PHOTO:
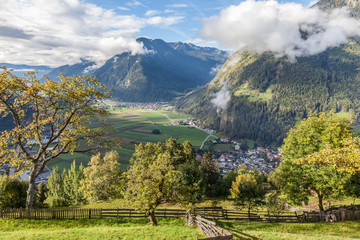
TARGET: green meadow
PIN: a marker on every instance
(96, 229)
(135, 126)
(293, 231)
(254, 95)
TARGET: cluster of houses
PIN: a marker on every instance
(264, 159)
(252, 158)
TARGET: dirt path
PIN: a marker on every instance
(203, 143)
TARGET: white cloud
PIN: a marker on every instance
(215, 69)
(202, 42)
(152, 13)
(57, 32)
(270, 26)
(164, 21)
(123, 8)
(180, 5)
(135, 3)
(221, 98)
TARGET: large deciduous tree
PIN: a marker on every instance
(320, 156)
(249, 189)
(50, 118)
(102, 178)
(163, 172)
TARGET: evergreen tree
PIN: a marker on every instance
(55, 197)
(211, 171)
(72, 181)
(41, 191)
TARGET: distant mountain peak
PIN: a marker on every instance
(353, 5)
(162, 73)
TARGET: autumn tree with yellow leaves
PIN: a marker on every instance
(50, 118)
(321, 155)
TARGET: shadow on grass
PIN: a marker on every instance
(237, 233)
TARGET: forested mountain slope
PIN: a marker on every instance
(260, 97)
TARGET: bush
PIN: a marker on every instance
(12, 192)
(56, 201)
(156, 131)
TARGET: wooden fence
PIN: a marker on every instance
(210, 229)
(261, 216)
(334, 215)
(77, 213)
(344, 213)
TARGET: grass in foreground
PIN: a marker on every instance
(293, 231)
(95, 229)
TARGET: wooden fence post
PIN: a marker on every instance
(89, 213)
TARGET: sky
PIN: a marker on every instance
(58, 32)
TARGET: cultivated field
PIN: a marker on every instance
(135, 126)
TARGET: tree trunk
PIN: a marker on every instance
(321, 207)
(30, 196)
(30, 192)
(152, 218)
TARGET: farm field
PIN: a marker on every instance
(135, 126)
(293, 231)
(96, 229)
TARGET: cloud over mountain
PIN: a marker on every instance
(287, 29)
(63, 31)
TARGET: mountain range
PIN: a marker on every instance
(165, 71)
(20, 69)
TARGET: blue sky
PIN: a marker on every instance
(57, 32)
(192, 12)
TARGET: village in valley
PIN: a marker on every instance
(264, 159)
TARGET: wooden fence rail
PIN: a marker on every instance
(77, 213)
(210, 229)
(229, 214)
(334, 215)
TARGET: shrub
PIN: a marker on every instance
(12, 192)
